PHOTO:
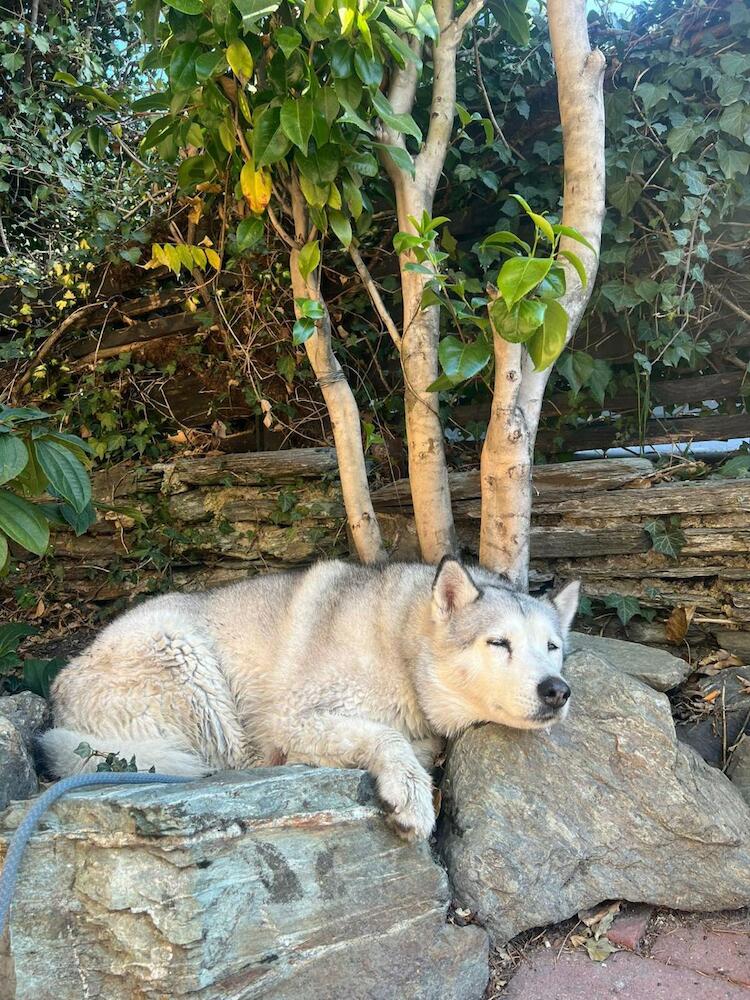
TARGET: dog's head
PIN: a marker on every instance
(497, 655)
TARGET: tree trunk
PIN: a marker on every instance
(339, 399)
(506, 485)
(505, 474)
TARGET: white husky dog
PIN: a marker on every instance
(339, 665)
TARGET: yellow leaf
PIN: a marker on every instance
(196, 210)
(239, 59)
(213, 259)
(256, 187)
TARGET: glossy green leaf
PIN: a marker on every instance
(186, 6)
(461, 361)
(518, 324)
(297, 120)
(400, 156)
(270, 143)
(577, 264)
(341, 227)
(287, 39)
(210, 64)
(22, 522)
(253, 11)
(182, 73)
(97, 140)
(309, 258)
(549, 340)
(520, 275)
(573, 234)
(404, 124)
(249, 232)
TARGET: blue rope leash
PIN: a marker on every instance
(22, 835)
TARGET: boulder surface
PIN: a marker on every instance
(276, 883)
(21, 715)
(606, 805)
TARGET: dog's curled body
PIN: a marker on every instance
(340, 665)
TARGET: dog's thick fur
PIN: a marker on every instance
(338, 665)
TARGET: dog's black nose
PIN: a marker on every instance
(553, 691)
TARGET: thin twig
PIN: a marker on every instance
(372, 291)
(488, 103)
(57, 334)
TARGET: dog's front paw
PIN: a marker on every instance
(407, 795)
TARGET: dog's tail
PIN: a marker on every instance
(167, 756)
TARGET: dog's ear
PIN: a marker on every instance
(566, 603)
(453, 588)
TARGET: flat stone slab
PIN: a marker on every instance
(624, 976)
(655, 667)
(276, 883)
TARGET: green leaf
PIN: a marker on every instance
(210, 64)
(249, 232)
(297, 121)
(572, 234)
(13, 457)
(39, 674)
(239, 59)
(158, 131)
(287, 39)
(680, 139)
(505, 237)
(97, 140)
(624, 194)
(575, 261)
(253, 11)
(310, 308)
(270, 144)
(577, 367)
(547, 343)
(303, 329)
(404, 124)
(182, 75)
(398, 48)
(735, 120)
(309, 258)
(11, 635)
(519, 275)
(553, 285)
(341, 227)
(462, 361)
(733, 162)
(4, 552)
(400, 156)
(518, 324)
(666, 537)
(65, 472)
(736, 468)
(186, 6)
(23, 523)
(626, 607)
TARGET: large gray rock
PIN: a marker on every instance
(608, 805)
(739, 768)
(21, 715)
(277, 883)
(655, 667)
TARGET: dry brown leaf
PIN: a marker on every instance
(599, 949)
(595, 914)
(678, 624)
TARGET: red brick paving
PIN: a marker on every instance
(724, 953)
(624, 976)
(708, 959)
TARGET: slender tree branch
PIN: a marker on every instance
(280, 231)
(372, 291)
(488, 103)
(429, 163)
(468, 14)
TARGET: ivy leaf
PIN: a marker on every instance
(735, 120)
(297, 121)
(680, 139)
(518, 324)
(548, 342)
(624, 194)
(577, 367)
(520, 275)
(666, 537)
(309, 258)
(625, 607)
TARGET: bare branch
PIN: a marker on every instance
(429, 163)
(372, 291)
(280, 231)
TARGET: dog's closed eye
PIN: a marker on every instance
(552, 647)
(502, 643)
